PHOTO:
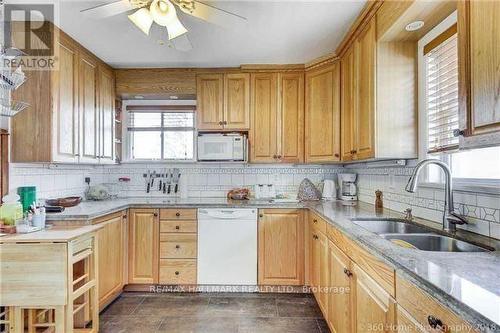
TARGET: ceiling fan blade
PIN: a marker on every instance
(182, 43)
(213, 14)
(108, 9)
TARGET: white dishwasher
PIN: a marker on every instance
(227, 246)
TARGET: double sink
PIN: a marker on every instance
(408, 235)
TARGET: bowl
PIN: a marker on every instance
(64, 202)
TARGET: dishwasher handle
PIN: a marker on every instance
(227, 214)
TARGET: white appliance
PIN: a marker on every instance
(227, 246)
(348, 190)
(222, 147)
(329, 189)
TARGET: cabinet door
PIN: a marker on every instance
(291, 118)
(89, 119)
(374, 308)
(111, 258)
(281, 247)
(106, 115)
(322, 115)
(65, 99)
(406, 323)
(324, 278)
(348, 104)
(237, 101)
(479, 60)
(264, 109)
(365, 49)
(209, 95)
(339, 299)
(144, 246)
(315, 261)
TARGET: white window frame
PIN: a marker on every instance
(463, 184)
(126, 142)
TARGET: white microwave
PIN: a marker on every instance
(213, 147)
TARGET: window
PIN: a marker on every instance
(439, 116)
(161, 133)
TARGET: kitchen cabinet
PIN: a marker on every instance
(112, 244)
(358, 97)
(277, 108)
(479, 72)
(339, 298)
(143, 246)
(373, 308)
(319, 261)
(322, 121)
(223, 101)
(280, 247)
(71, 117)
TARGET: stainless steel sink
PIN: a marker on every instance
(389, 226)
(432, 242)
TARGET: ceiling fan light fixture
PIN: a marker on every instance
(142, 19)
(175, 29)
(164, 13)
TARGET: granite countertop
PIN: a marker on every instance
(469, 283)
(56, 234)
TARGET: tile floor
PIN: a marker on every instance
(213, 312)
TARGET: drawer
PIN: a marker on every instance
(317, 223)
(177, 271)
(80, 245)
(177, 214)
(181, 246)
(180, 226)
(421, 306)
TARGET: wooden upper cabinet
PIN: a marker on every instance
(479, 66)
(210, 101)
(143, 246)
(106, 84)
(111, 257)
(264, 110)
(89, 116)
(66, 126)
(358, 97)
(348, 104)
(374, 308)
(322, 132)
(237, 101)
(281, 247)
(365, 104)
(339, 301)
(291, 118)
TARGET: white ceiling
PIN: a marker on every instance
(284, 32)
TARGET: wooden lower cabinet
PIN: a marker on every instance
(408, 324)
(319, 260)
(178, 271)
(281, 247)
(143, 260)
(112, 245)
(339, 296)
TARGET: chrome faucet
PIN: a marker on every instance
(450, 217)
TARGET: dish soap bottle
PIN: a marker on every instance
(11, 209)
(379, 203)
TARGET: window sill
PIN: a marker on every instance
(473, 186)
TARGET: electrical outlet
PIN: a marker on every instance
(87, 180)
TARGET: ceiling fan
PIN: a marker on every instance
(164, 13)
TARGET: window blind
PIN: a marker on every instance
(442, 93)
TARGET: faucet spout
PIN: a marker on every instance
(450, 217)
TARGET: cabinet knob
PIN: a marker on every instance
(315, 237)
(261, 215)
(124, 217)
(177, 272)
(177, 214)
(435, 323)
(221, 123)
(177, 227)
(337, 155)
(225, 122)
(155, 214)
(275, 156)
(347, 272)
(177, 246)
(279, 156)
(315, 221)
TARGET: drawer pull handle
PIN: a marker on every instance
(435, 323)
(347, 272)
(177, 214)
(177, 246)
(177, 273)
(177, 227)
